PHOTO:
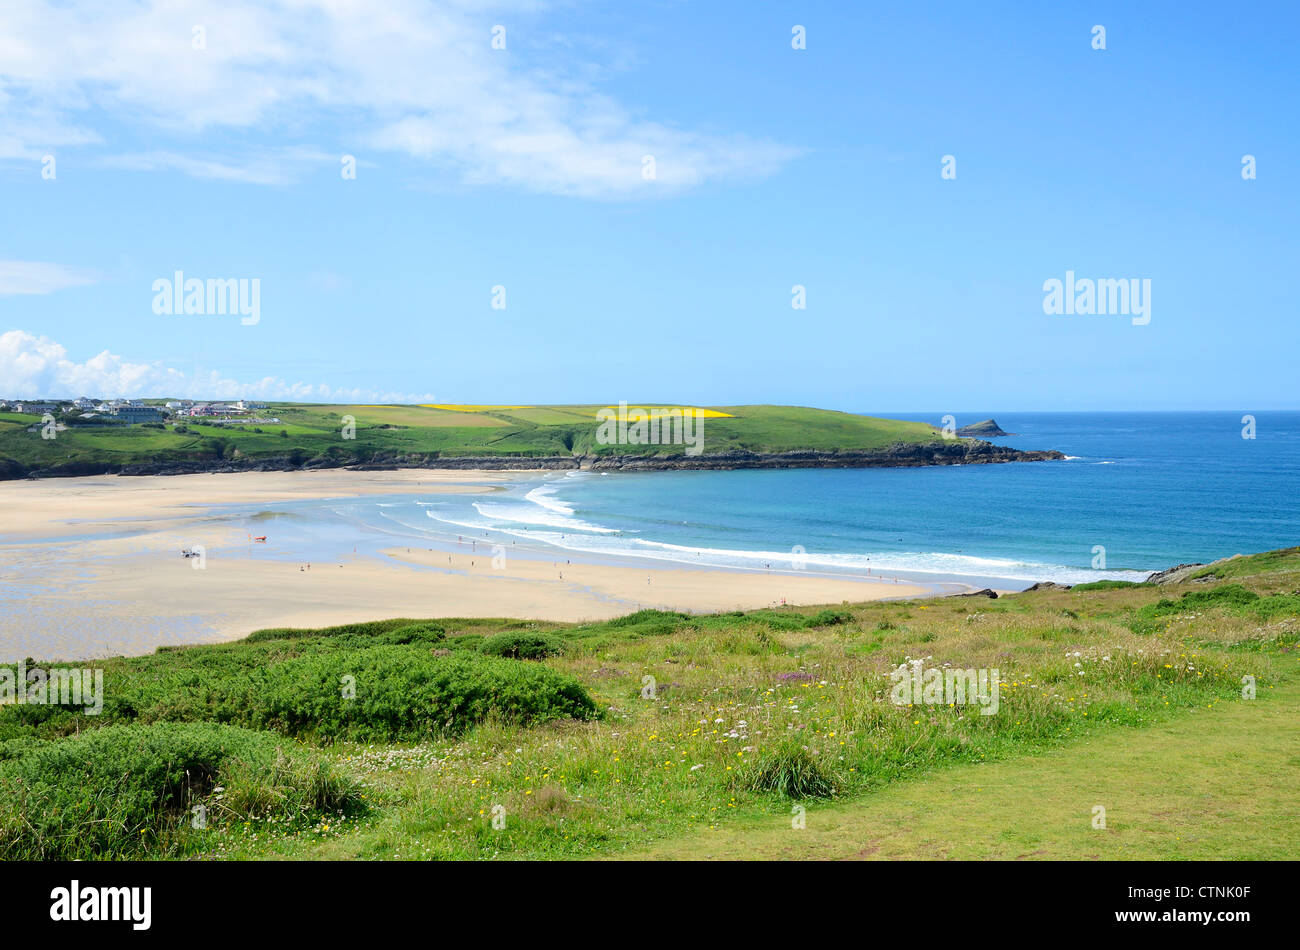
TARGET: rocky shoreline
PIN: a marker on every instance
(1177, 574)
(900, 455)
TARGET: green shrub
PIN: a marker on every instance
(373, 628)
(126, 791)
(401, 693)
(464, 641)
(296, 685)
(1231, 597)
(1228, 595)
(774, 620)
(646, 616)
(406, 694)
(425, 632)
(522, 646)
(1105, 585)
(829, 618)
(634, 626)
(1266, 608)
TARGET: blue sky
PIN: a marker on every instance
(774, 167)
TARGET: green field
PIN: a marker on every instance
(314, 435)
(500, 739)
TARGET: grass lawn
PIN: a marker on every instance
(1208, 784)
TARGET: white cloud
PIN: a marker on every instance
(410, 76)
(275, 168)
(36, 366)
(35, 277)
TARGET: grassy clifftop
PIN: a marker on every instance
(329, 435)
(460, 738)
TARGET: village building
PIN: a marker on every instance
(137, 414)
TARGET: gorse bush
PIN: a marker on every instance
(126, 791)
(522, 646)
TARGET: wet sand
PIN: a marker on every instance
(127, 590)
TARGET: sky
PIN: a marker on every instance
(620, 203)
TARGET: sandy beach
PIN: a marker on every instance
(122, 588)
(43, 509)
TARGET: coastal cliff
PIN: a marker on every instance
(900, 455)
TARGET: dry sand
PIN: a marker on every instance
(130, 592)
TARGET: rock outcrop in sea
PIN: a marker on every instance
(988, 429)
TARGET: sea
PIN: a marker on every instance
(1137, 492)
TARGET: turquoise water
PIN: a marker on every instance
(1152, 489)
